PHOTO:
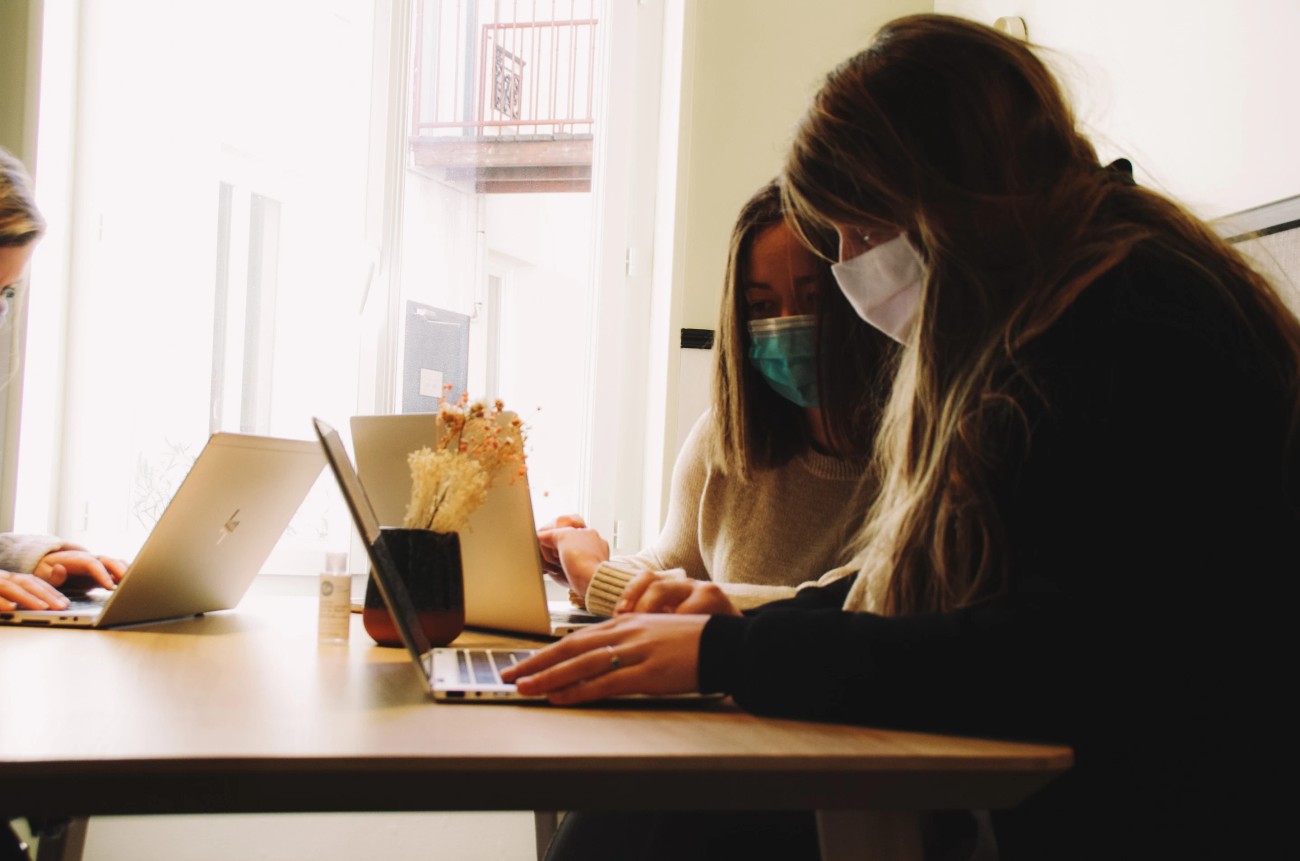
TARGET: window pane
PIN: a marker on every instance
(219, 262)
(498, 223)
(228, 272)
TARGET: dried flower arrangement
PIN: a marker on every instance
(450, 480)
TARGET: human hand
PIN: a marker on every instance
(571, 552)
(79, 569)
(28, 592)
(633, 654)
(653, 593)
(546, 540)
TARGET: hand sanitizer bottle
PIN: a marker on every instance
(335, 617)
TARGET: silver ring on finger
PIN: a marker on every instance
(615, 662)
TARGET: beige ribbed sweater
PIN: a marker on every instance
(760, 540)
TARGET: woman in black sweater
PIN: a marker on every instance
(1088, 525)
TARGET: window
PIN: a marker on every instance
(303, 208)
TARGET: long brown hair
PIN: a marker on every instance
(961, 137)
(756, 428)
(20, 220)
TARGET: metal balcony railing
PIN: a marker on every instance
(504, 68)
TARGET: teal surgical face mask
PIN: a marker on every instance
(784, 351)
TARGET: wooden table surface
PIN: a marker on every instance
(244, 711)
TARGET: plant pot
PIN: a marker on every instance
(430, 567)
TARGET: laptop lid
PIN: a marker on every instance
(396, 596)
(213, 537)
(504, 582)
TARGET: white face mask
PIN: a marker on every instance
(884, 285)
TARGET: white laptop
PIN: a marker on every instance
(505, 587)
(210, 542)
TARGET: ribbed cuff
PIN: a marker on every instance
(607, 585)
(610, 582)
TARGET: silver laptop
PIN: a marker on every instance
(451, 674)
(210, 542)
(505, 587)
(398, 599)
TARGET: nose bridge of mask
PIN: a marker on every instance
(784, 351)
(792, 337)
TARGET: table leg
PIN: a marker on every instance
(869, 835)
(62, 839)
(544, 824)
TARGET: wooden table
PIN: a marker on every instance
(243, 711)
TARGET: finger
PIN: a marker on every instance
(116, 568)
(602, 687)
(95, 570)
(663, 596)
(14, 596)
(581, 670)
(707, 598)
(43, 590)
(550, 555)
(80, 565)
(32, 593)
(575, 644)
(571, 520)
(633, 591)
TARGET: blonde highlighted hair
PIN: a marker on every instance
(20, 220)
(961, 137)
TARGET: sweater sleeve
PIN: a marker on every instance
(21, 553)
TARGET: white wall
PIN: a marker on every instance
(1198, 93)
(755, 65)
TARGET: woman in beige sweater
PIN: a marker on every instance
(772, 481)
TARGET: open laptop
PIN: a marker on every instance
(451, 674)
(211, 540)
(440, 668)
(505, 585)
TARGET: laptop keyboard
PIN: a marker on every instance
(78, 604)
(483, 666)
